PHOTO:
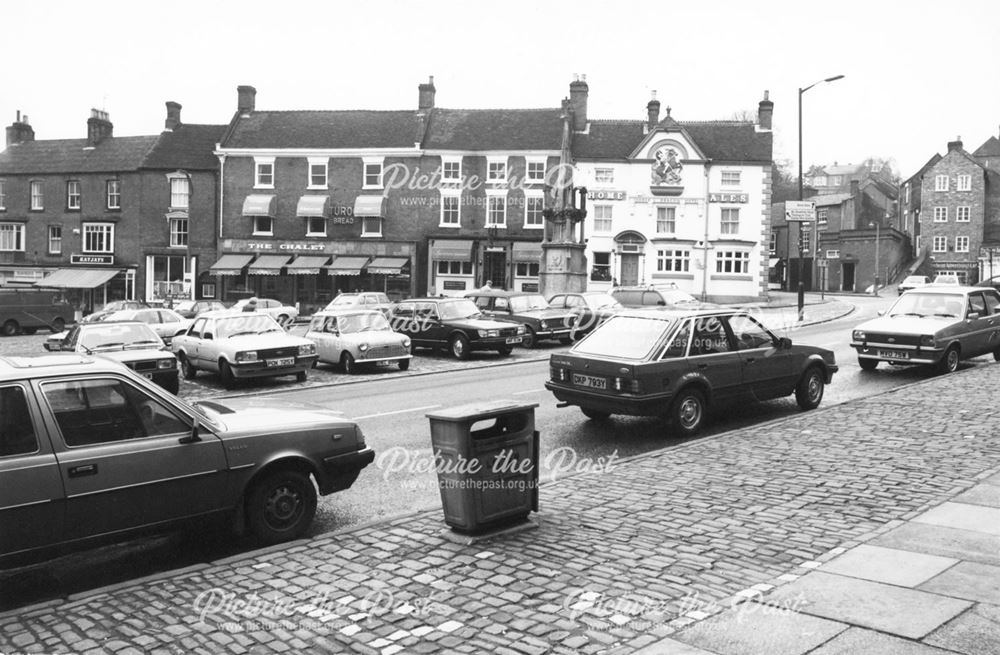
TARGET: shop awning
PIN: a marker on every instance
(78, 278)
(230, 264)
(369, 206)
(452, 251)
(259, 205)
(307, 265)
(527, 252)
(773, 261)
(344, 265)
(313, 206)
(388, 265)
(268, 265)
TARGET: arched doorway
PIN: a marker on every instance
(630, 246)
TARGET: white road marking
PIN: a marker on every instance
(523, 393)
(399, 411)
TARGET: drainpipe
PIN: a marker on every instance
(222, 186)
(704, 272)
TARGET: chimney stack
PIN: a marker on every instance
(765, 110)
(578, 91)
(652, 112)
(173, 116)
(425, 98)
(246, 100)
(955, 145)
(99, 127)
(20, 131)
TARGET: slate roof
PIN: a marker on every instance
(188, 146)
(495, 129)
(119, 153)
(718, 140)
(609, 139)
(831, 199)
(324, 129)
(991, 148)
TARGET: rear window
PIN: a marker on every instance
(624, 337)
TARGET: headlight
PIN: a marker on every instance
(859, 335)
(247, 356)
(928, 341)
(520, 329)
(543, 325)
(363, 347)
(488, 333)
(406, 343)
(308, 349)
(166, 363)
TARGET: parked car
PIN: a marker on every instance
(634, 297)
(529, 309)
(131, 343)
(353, 338)
(54, 341)
(591, 308)
(26, 310)
(991, 283)
(192, 308)
(90, 452)
(282, 313)
(913, 282)
(165, 322)
(455, 324)
(936, 325)
(361, 300)
(119, 305)
(680, 363)
(243, 345)
(947, 280)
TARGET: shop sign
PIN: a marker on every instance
(606, 195)
(342, 215)
(453, 285)
(729, 197)
(531, 287)
(92, 259)
(287, 246)
(658, 200)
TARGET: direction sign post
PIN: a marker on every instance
(801, 212)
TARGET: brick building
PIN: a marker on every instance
(910, 206)
(109, 217)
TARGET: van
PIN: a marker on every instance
(26, 310)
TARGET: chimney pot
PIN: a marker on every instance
(652, 112)
(425, 95)
(578, 91)
(955, 145)
(99, 127)
(173, 115)
(246, 100)
(765, 112)
(20, 131)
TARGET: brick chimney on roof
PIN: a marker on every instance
(955, 145)
(425, 99)
(173, 120)
(652, 112)
(578, 91)
(20, 131)
(765, 110)
(246, 100)
(99, 127)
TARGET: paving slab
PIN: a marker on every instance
(756, 629)
(969, 580)
(981, 494)
(889, 565)
(973, 633)
(859, 640)
(895, 610)
(947, 542)
(965, 517)
(670, 646)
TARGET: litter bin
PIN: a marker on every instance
(487, 464)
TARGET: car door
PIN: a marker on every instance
(403, 321)
(192, 341)
(432, 328)
(975, 339)
(713, 356)
(125, 458)
(32, 499)
(992, 299)
(768, 371)
(330, 336)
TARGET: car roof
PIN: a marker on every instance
(665, 312)
(97, 324)
(16, 367)
(501, 293)
(347, 312)
(949, 289)
(434, 299)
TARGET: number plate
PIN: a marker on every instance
(284, 361)
(513, 339)
(894, 354)
(383, 362)
(589, 381)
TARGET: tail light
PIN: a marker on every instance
(558, 374)
(629, 385)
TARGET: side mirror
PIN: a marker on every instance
(193, 436)
(972, 315)
(784, 343)
(661, 302)
(881, 312)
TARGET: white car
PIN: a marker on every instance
(356, 337)
(284, 314)
(951, 280)
(165, 322)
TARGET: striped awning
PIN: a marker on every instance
(313, 207)
(527, 252)
(388, 265)
(259, 205)
(230, 264)
(268, 265)
(78, 278)
(346, 265)
(307, 265)
(369, 206)
(452, 251)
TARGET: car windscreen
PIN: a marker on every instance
(457, 309)
(915, 279)
(345, 301)
(624, 337)
(602, 301)
(673, 297)
(375, 321)
(237, 325)
(528, 303)
(118, 337)
(944, 305)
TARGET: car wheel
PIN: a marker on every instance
(10, 328)
(529, 340)
(347, 361)
(949, 362)
(459, 346)
(867, 364)
(187, 367)
(404, 364)
(58, 325)
(505, 350)
(809, 391)
(301, 376)
(996, 354)
(688, 411)
(226, 375)
(566, 341)
(594, 415)
(281, 506)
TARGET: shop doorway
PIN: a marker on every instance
(630, 270)
(847, 271)
(495, 268)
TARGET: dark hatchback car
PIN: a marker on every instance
(193, 308)
(677, 364)
(591, 308)
(532, 310)
(634, 297)
(455, 324)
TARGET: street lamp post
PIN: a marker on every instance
(875, 288)
(802, 287)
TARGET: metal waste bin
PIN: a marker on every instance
(487, 464)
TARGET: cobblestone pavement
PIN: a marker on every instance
(621, 558)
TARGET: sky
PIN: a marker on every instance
(917, 74)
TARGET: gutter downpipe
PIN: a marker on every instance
(704, 272)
